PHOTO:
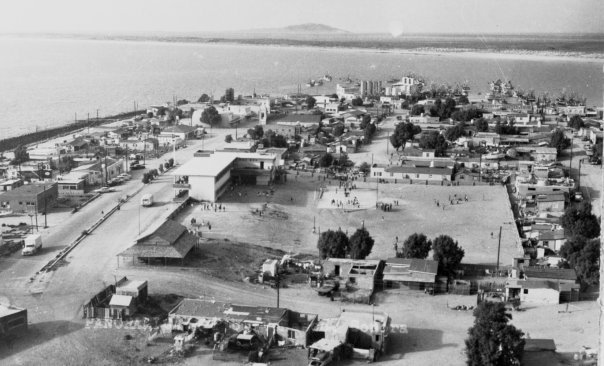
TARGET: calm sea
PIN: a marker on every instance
(46, 82)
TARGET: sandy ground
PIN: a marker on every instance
(288, 225)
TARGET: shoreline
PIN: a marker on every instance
(10, 143)
(490, 53)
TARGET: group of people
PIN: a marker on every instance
(213, 206)
(452, 201)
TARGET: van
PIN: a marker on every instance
(147, 200)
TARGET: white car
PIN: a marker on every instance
(125, 176)
(104, 190)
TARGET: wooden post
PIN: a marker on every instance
(600, 299)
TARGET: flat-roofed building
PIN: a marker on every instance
(30, 198)
(13, 321)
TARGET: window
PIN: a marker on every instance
(416, 175)
(291, 334)
(525, 291)
(377, 337)
(531, 189)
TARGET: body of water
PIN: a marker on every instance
(46, 82)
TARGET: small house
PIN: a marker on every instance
(138, 289)
(409, 273)
(13, 321)
(123, 304)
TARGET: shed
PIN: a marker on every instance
(138, 289)
(13, 321)
(122, 303)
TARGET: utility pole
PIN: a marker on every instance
(278, 284)
(600, 299)
(88, 122)
(45, 209)
(498, 250)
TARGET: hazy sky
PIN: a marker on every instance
(395, 16)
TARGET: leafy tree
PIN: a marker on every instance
(365, 121)
(259, 131)
(466, 115)
(338, 130)
(357, 102)
(405, 104)
(434, 140)
(579, 220)
(326, 160)
(210, 116)
(576, 122)
(170, 162)
(491, 340)
(310, 102)
(559, 140)
(506, 128)
(333, 244)
(402, 133)
(161, 168)
(464, 100)
(146, 178)
(369, 132)
(455, 132)
(229, 95)
(334, 96)
(448, 253)
(364, 168)
(417, 110)
(204, 98)
(415, 246)
(21, 155)
(228, 139)
(583, 255)
(481, 125)
(361, 244)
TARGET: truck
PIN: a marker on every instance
(32, 244)
(147, 200)
(327, 352)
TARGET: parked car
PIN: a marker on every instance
(104, 190)
(125, 176)
(137, 166)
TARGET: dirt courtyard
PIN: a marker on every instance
(291, 217)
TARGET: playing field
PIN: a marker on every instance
(294, 209)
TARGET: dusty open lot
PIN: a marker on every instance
(290, 213)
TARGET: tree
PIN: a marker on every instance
(204, 98)
(434, 140)
(365, 121)
(357, 102)
(416, 246)
(447, 253)
(333, 244)
(228, 139)
(481, 125)
(579, 220)
(402, 133)
(338, 130)
(21, 155)
(583, 255)
(417, 110)
(464, 100)
(491, 340)
(369, 132)
(360, 244)
(229, 95)
(559, 140)
(326, 160)
(455, 132)
(170, 162)
(210, 116)
(506, 128)
(466, 115)
(365, 168)
(146, 179)
(576, 122)
(161, 168)
(310, 102)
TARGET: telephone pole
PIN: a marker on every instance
(600, 299)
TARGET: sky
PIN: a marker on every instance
(358, 16)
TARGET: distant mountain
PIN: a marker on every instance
(313, 28)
